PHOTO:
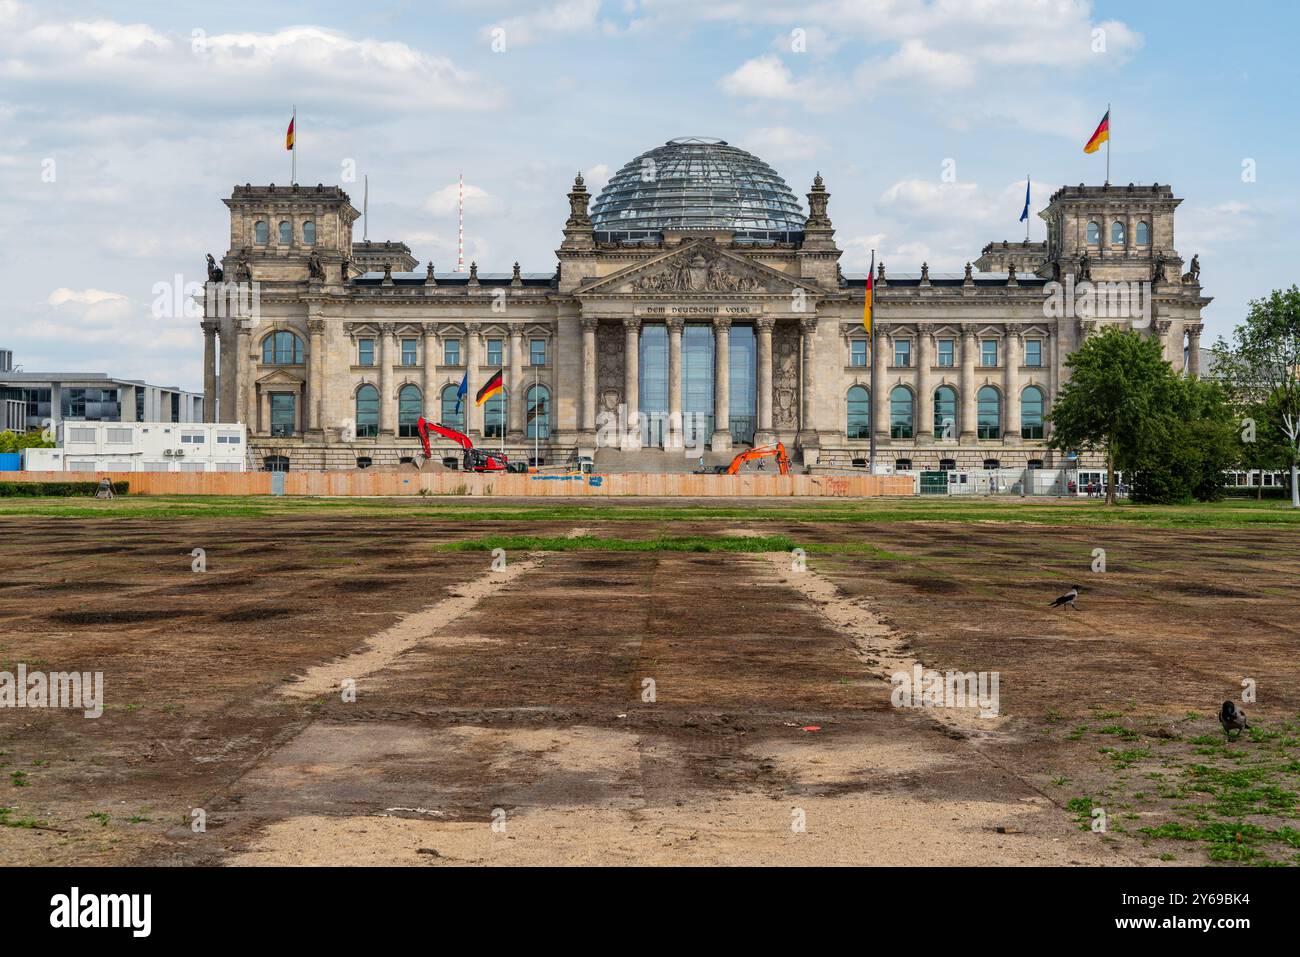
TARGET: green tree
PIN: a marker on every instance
(1261, 370)
(1194, 442)
(17, 441)
(1112, 402)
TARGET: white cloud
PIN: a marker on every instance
(559, 19)
(768, 78)
(444, 202)
(777, 143)
(112, 57)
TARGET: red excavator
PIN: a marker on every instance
(473, 460)
(762, 452)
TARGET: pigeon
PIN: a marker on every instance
(1232, 719)
(1067, 600)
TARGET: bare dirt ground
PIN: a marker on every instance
(634, 707)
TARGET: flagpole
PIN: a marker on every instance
(1026, 207)
(1109, 124)
(873, 404)
(293, 175)
(365, 212)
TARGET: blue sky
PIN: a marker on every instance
(123, 125)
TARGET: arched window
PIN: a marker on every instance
(990, 413)
(309, 233)
(538, 406)
(1031, 413)
(900, 413)
(494, 416)
(410, 405)
(450, 416)
(282, 349)
(1143, 234)
(859, 413)
(367, 412)
(261, 232)
(945, 413)
(1094, 234)
(286, 233)
(1117, 233)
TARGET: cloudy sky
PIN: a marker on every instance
(123, 125)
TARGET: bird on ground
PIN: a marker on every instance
(1232, 719)
(1067, 600)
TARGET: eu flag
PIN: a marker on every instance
(462, 391)
(1025, 213)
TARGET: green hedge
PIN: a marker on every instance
(36, 489)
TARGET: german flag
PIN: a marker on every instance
(1101, 135)
(868, 304)
(490, 388)
(288, 135)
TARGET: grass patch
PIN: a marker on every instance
(1053, 512)
(592, 543)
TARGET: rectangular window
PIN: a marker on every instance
(858, 352)
(408, 352)
(191, 438)
(1033, 352)
(120, 436)
(988, 352)
(537, 352)
(365, 352)
(451, 352)
(945, 353)
(903, 352)
(494, 352)
(227, 439)
(81, 435)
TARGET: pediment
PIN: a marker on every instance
(281, 377)
(700, 267)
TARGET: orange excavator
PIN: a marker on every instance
(762, 452)
(473, 460)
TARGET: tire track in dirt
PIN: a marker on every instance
(383, 647)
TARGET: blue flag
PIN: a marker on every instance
(1025, 213)
(462, 391)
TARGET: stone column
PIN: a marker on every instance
(969, 346)
(1011, 359)
(515, 415)
(924, 425)
(881, 342)
(227, 377)
(473, 418)
(386, 400)
(246, 384)
(765, 435)
(673, 435)
(807, 392)
(587, 422)
(210, 327)
(316, 375)
(632, 382)
(720, 441)
(1194, 331)
(429, 401)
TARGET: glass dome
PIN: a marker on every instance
(697, 183)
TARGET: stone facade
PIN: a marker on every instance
(306, 397)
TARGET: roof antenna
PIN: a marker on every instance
(460, 227)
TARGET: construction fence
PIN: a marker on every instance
(369, 482)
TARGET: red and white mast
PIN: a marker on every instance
(460, 226)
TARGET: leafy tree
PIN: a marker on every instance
(17, 441)
(1184, 458)
(1261, 370)
(1112, 402)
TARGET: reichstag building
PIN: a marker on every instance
(696, 304)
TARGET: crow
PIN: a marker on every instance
(1067, 600)
(1232, 719)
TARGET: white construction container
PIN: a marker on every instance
(152, 446)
